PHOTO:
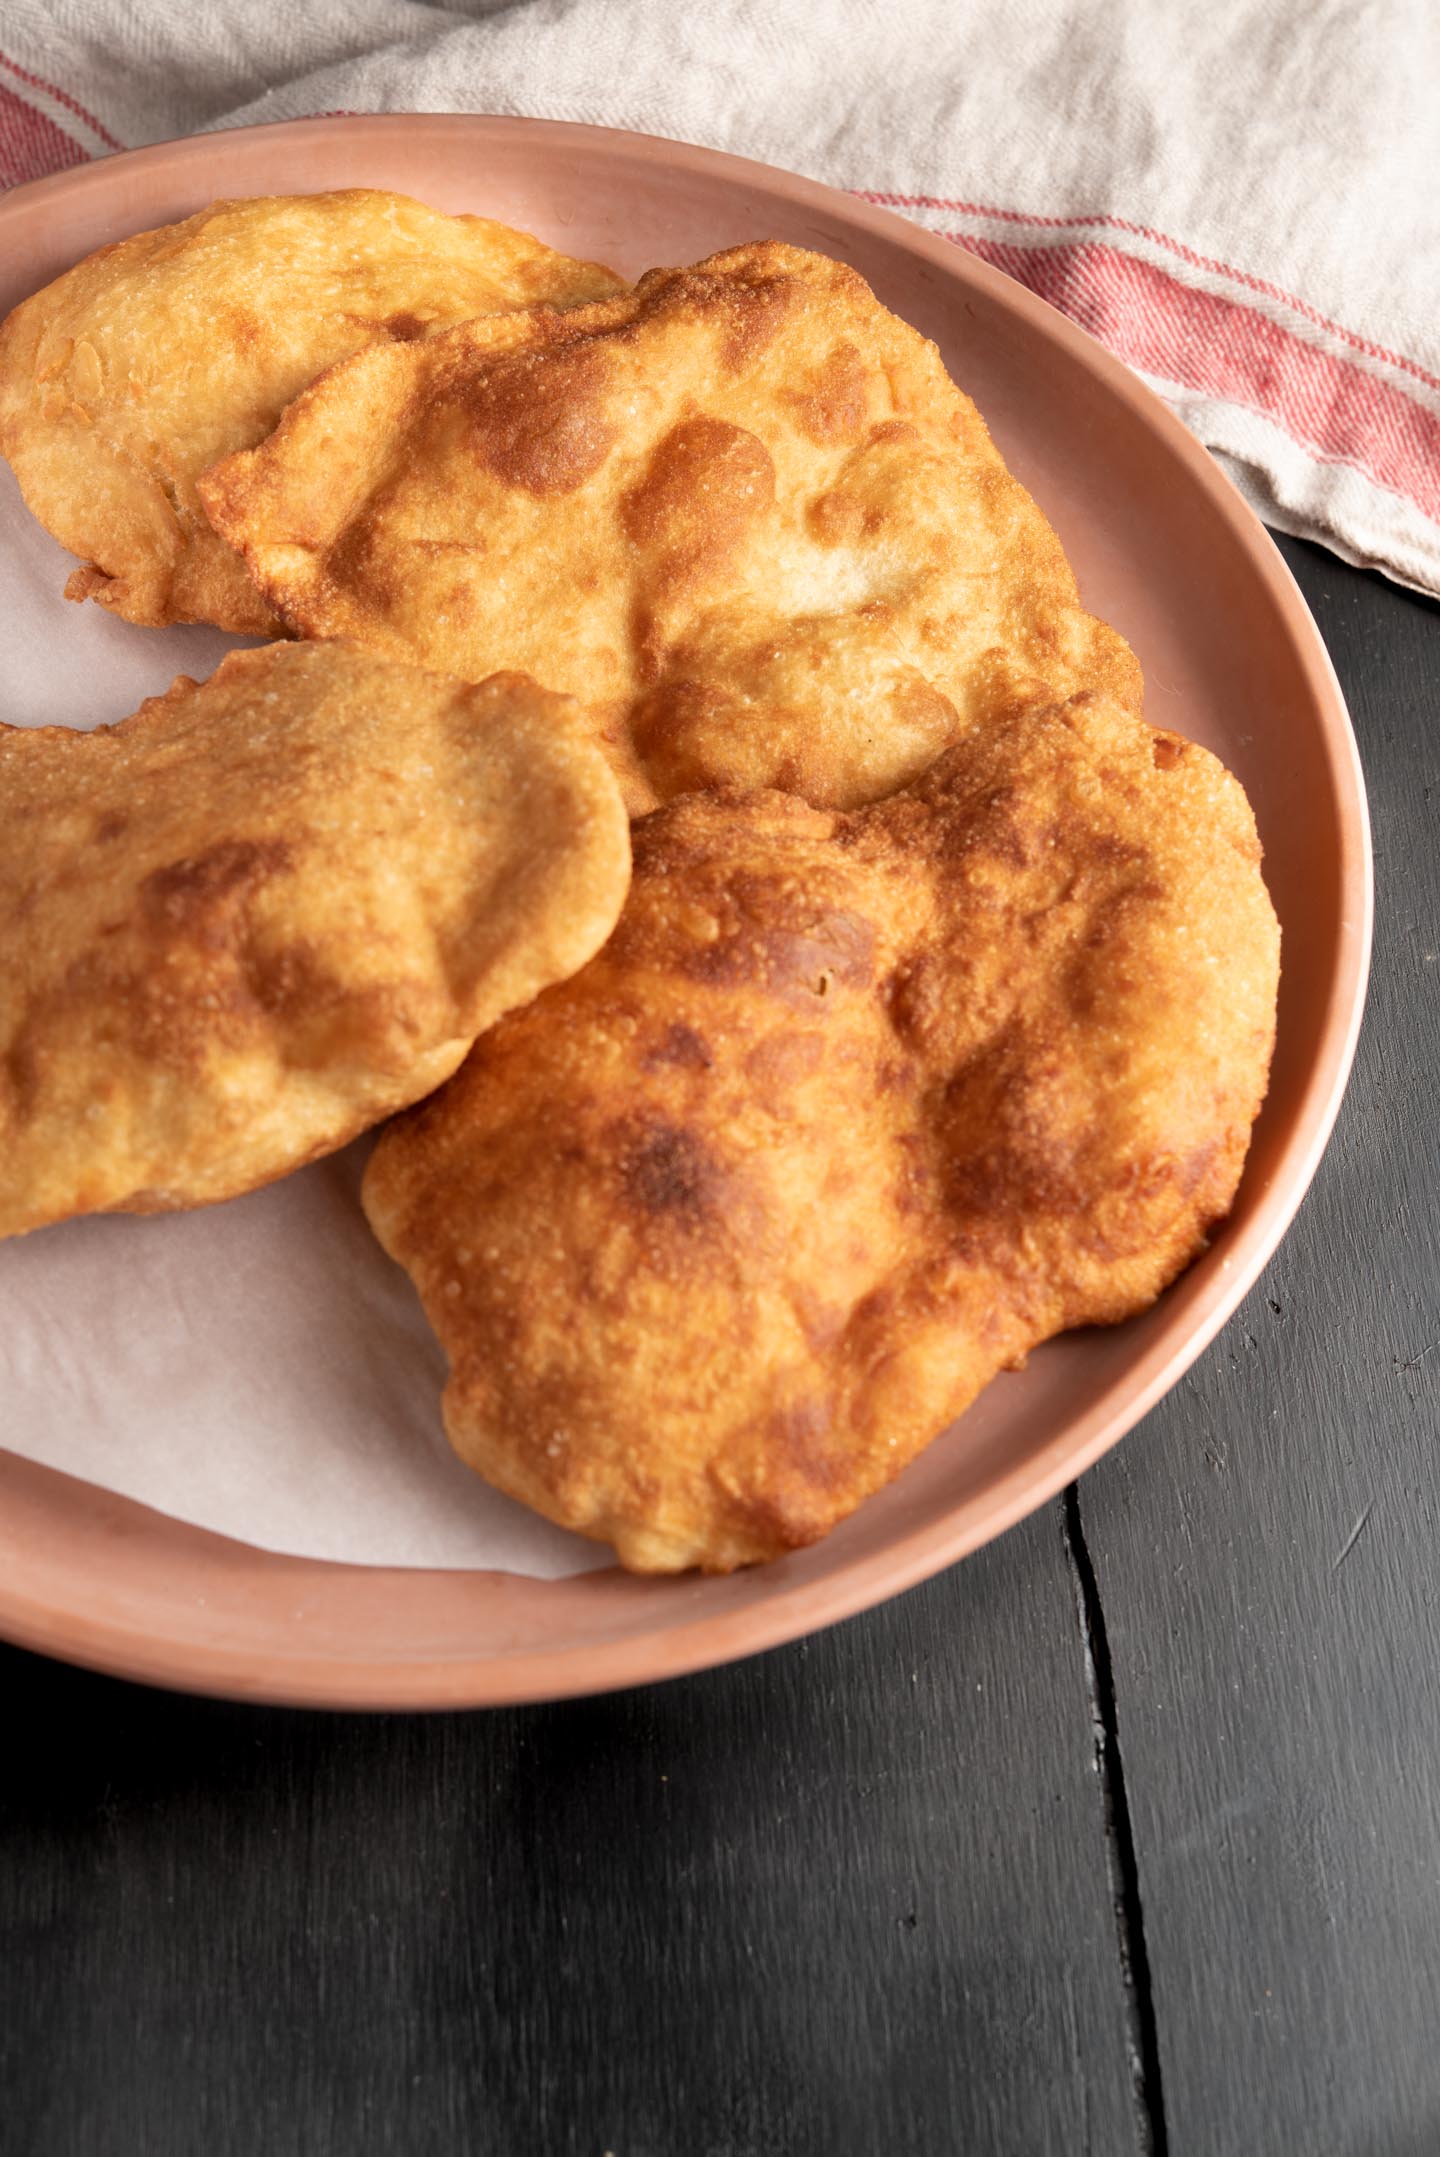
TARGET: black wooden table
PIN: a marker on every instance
(1122, 1836)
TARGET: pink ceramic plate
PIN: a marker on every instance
(1163, 547)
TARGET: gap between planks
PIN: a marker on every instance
(1142, 2036)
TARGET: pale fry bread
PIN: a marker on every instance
(124, 378)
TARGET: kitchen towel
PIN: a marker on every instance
(1238, 197)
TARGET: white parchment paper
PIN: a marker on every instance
(258, 1368)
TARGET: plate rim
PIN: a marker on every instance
(674, 1650)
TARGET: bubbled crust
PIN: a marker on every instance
(266, 911)
(124, 378)
(850, 1113)
(743, 513)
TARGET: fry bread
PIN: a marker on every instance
(850, 1113)
(124, 378)
(265, 911)
(742, 513)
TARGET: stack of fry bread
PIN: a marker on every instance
(682, 802)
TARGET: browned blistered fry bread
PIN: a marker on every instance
(742, 513)
(850, 1113)
(124, 378)
(268, 910)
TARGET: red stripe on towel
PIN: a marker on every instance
(1223, 348)
(1175, 247)
(61, 97)
(30, 144)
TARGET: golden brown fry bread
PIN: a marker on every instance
(262, 913)
(742, 513)
(121, 381)
(850, 1112)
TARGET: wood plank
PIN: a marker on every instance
(1265, 1549)
(850, 1896)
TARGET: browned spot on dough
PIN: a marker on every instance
(705, 488)
(783, 952)
(836, 519)
(916, 996)
(668, 1171)
(926, 709)
(1008, 1159)
(832, 407)
(22, 1077)
(324, 1018)
(875, 1310)
(679, 1045)
(797, 1437)
(783, 1060)
(539, 419)
(1191, 1169)
(1013, 1184)
(752, 316)
(291, 982)
(1167, 750)
(821, 1321)
(803, 1483)
(355, 558)
(404, 327)
(790, 1519)
(191, 895)
(665, 722)
(111, 826)
(893, 1075)
(1108, 850)
(706, 483)
(996, 827)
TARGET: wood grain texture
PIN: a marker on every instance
(851, 1896)
(1266, 1553)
